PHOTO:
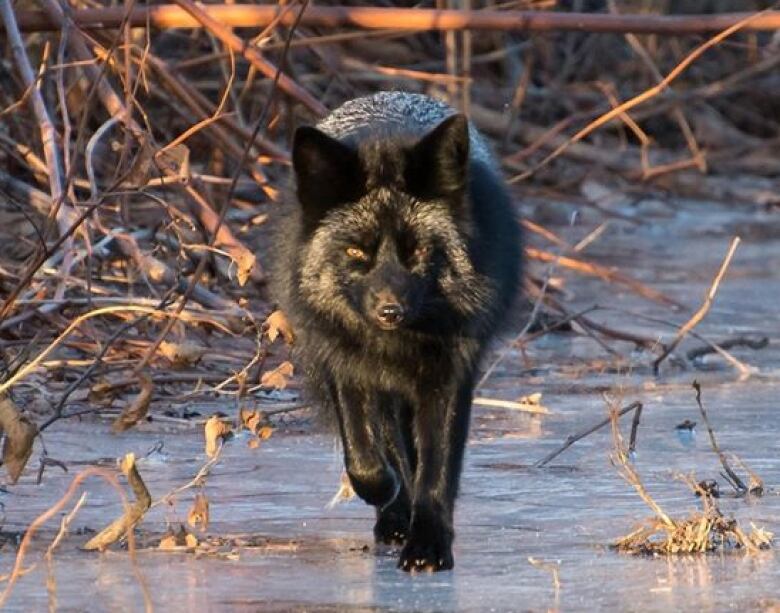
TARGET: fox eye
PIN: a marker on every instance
(357, 254)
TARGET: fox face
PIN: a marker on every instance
(380, 260)
(385, 225)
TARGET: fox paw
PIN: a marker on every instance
(391, 529)
(426, 554)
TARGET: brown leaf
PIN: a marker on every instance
(251, 419)
(175, 541)
(277, 378)
(136, 410)
(345, 492)
(168, 542)
(276, 324)
(535, 398)
(198, 517)
(215, 430)
(20, 435)
(183, 354)
(177, 159)
(101, 393)
(245, 262)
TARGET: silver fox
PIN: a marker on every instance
(398, 263)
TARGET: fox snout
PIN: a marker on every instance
(388, 310)
(390, 315)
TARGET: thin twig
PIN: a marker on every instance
(573, 438)
(703, 309)
(737, 482)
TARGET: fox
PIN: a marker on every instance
(397, 265)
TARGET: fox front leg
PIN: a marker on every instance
(441, 429)
(371, 475)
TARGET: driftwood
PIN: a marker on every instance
(248, 16)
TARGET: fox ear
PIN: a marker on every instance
(437, 166)
(327, 172)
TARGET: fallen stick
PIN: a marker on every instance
(525, 407)
(133, 513)
(729, 343)
(705, 307)
(573, 438)
(602, 272)
(417, 19)
(742, 368)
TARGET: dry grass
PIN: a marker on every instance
(704, 531)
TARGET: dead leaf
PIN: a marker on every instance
(535, 398)
(101, 393)
(198, 517)
(277, 378)
(245, 263)
(136, 410)
(215, 430)
(183, 354)
(168, 542)
(181, 539)
(176, 159)
(20, 435)
(251, 419)
(153, 268)
(345, 492)
(276, 324)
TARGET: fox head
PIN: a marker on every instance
(385, 223)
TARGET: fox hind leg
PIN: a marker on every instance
(393, 519)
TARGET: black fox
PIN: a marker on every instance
(400, 262)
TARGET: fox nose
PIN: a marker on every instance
(390, 314)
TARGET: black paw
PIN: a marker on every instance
(427, 552)
(391, 528)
